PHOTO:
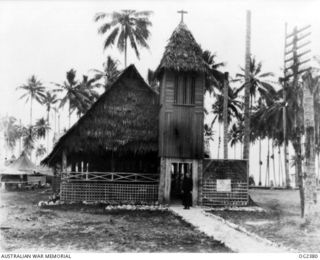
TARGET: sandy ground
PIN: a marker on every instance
(25, 227)
(281, 223)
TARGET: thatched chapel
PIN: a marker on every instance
(135, 144)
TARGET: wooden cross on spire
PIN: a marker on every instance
(182, 12)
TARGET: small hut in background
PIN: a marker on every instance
(115, 142)
(23, 172)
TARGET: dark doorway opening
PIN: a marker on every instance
(178, 172)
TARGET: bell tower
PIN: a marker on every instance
(182, 78)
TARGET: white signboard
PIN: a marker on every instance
(224, 185)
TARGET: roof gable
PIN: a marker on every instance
(122, 118)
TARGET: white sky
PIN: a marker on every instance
(48, 38)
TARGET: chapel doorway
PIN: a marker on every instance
(178, 172)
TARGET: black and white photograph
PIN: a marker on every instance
(158, 127)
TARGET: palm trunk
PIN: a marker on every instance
(274, 165)
(48, 119)
(318, 176)
(225, 116)
(268, 162)
(279, 167)
(31, 99)
(260, 161)
(246, 145)
(20, 139)
(299, 177)
(219, 140)
(310, 191)
(69, 114)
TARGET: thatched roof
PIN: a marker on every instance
(124, 118)
(182, 53)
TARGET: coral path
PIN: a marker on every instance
(236, 240)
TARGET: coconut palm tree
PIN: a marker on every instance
(109, 74)
(10, 130)
(40, 151)
(214, 78)
(33, 90)
(40, 128)
(127, 25)
(208, 136)
(49, 100)
(259, 83)
(236, 135)
(259, 131)
(234, 108)
(72, 93)
(87, 89)
(258, 86)
(29, 139)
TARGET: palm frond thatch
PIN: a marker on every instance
(124, 118)
(182, 53)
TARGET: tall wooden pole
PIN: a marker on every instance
(284, 117)
(246, 145)
(225, 114)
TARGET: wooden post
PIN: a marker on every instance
(225, 114)
(161, 181)
(195, 181)
(87, 171)
(64, 161)
(200, 181)
(167, 181)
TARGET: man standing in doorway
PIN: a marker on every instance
(187, 187)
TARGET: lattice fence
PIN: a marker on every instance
(212, 198)
(108, 192)
(109, 177)
(232, 175)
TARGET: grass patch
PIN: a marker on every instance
(281, 223)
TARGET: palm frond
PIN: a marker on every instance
(111, 38)
(99, 16)
(104, 28)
